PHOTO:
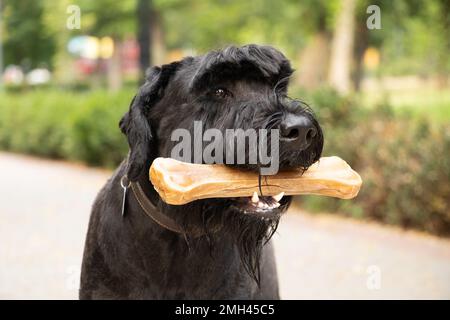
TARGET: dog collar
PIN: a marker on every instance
(151, 211)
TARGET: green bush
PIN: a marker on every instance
(95, 136)
(404, 162)
(64, 124)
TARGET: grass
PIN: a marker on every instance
(424, 103)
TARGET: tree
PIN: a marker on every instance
(115, 19)
(128, 17)
(316, 17)
(205, 25)
(143, 13)
(28, 41)
(414, 38)
(342, 48)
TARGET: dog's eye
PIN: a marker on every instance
(221, 93)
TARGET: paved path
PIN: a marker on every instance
(44, 210)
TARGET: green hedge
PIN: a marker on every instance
(404, 160)
(64, 124)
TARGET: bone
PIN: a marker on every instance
(179, 182)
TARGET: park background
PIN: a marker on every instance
(375, 72)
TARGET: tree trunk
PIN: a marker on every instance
(443, 75)
(158, 45)
(114, 69)
(314, 61)
(339, 75)
(1, 48)
(144, 33)
(361, 45)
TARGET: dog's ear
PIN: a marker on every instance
(135, 123)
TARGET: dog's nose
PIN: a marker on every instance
(297, 131)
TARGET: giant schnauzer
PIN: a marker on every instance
(137, 246)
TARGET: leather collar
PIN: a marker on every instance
(151, 211)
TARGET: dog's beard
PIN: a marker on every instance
(250, 234)
(216, 217)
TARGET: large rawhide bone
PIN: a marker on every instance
(179, 182)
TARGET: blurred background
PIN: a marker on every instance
(375, 72)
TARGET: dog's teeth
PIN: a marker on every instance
(279, 196)
(255, 198)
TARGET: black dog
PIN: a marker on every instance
(208, 249)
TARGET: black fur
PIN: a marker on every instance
(224, 253)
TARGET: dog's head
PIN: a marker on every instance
(235, 88)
